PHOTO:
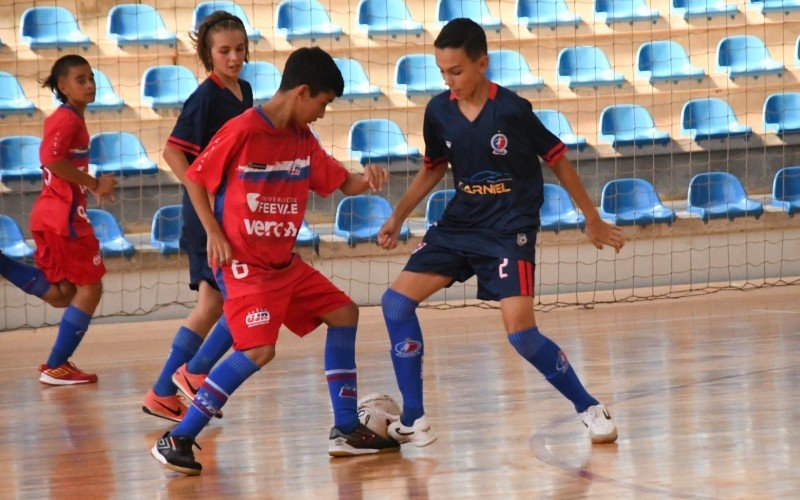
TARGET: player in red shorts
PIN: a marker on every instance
(68, 268)
(259, 168)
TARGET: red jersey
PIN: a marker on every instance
(261, 177)
(61, 207)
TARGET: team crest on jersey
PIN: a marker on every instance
(408, 348)
(522, 238)
(257, 317)
(499, 144)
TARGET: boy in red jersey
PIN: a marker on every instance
(259, 168)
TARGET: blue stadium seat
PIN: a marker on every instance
(557, 123)
(165, 234)
(138, 24)
(786, 190)
(386, 17)
(437, 202)
(558, 212)
(703, 8)
(630, 125)
(204, 9)
(356, 82)
(379, 141)
(12, 243)
(105, 97)
(665, 61)
(13, 100)
(304, 19)
(716, 195)
(19, 158)
(477, 10)
(509, 69)
(586, 66)
(782, 113)
(51, 27)
(264, 77)
(359, 218)
(545, 13)
(109, 234)
(711, 118)
(746, 55)
(417, 74)
(623, 11)
(306, 237)
(119, 153)
(167, 87)
(774, 5)
(629, 202)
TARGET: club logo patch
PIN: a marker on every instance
(499, 144)
(257, 317)
(408, 348)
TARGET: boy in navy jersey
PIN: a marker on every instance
(493, 140)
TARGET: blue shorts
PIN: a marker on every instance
(498, 277)
(199, 270)
(193, 242)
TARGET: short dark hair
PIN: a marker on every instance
(463, 33)
(61, 69)
(314, 67)
(215, 22)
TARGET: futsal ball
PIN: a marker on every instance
(376, 411)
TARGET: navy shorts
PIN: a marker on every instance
(193, 242)
(199, 270)
(498, 277)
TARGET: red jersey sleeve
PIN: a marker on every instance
(327, 174)
(59, 135)
(221, 154)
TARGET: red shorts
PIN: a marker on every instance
(76, 260)
(258, 301)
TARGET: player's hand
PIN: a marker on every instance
(218, 248)
(389, 233)
(105, 189)
(602, 233)
(376, 177)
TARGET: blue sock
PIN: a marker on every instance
(400, 315)
(214, 392)
(340, 370)
(74, 324)
(184, 345)
(27, 278)
(214, 347)
(549, 359)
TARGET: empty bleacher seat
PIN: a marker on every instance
(703, 8)
(19, 158)
(306, 237)
(509, 69)
(165, 234)
(477, 10)
(386, 17)
(167, 86)
(545, 13)
(138, 24)
(264, 77)
(379, 141)
(786, 190)
(13, 100)
(51, 27)
(437, 202)
(109, 234)
(204, 9)
(12, 243)
(557, 123)
(746, 55)
(665, 61)
(782, 113)
(105, 97)
(304, 19)
(356, 82)
(711, 118)
(119, 153)
(628, 202)
(359, 218)
(774, 5)
(623, 11)
(714, 195)
(417, 74)
(630, 125)
(586, 66)
(558, 212)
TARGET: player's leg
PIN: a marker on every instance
(32, 280)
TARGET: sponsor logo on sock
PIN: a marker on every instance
(408, 348)
(176, 411)
(348, 391)
(562, 363)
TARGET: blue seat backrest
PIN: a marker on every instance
(437, 202)
(20, 151)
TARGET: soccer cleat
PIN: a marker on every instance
(176, 454)
(420, 433)
(600, 424)
(189, 383)
(362, 441)
(66, 374)
(169, 407)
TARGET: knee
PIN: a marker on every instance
(261, 355)
(397, 306)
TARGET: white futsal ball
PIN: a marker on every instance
(376, 411)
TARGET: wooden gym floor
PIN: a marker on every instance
(705, 391)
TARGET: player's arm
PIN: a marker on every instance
(176, 160)
(102, 186)
(218, 248)
(374, 178)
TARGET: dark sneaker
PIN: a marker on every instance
(362, 441)
(176, 454)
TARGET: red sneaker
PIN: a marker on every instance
(190, 383)
(169, 407)
(66, 374)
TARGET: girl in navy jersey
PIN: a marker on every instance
(221, 43)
